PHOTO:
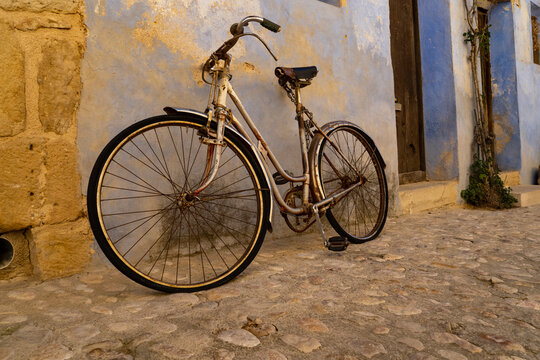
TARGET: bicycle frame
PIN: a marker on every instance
(221, 88)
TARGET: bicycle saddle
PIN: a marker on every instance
(298, 74)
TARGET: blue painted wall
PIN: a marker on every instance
(504, 87)
(440, 130)
(528, 78)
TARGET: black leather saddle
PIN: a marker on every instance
(300, 75)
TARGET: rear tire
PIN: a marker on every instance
(152, 232)
(359, 216)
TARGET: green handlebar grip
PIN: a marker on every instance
(270, 25)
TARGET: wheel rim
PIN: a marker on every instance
(360, 214)
(163, 235)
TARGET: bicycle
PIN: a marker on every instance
(181, 202)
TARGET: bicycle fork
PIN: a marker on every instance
(214, 150)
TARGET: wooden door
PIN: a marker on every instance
(405, 48)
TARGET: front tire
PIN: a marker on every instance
(156, 235)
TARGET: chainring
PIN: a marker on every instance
(297, 223)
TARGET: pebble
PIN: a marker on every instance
(183, 299)
(24, 295)
(451, 355)
(447, 338)
(122, 326)
(52, 352)
(392, 257)
(92, 278)
(63, 315)
(314, 325)
(82, 332)
(208, 305)
(220, 294)
(103, 345)
(171, 352)
(224, 354)
(381, 330)
(302, 343)
(101, 310)
(403, 310)
(411, 326)
(32, 335)
(369, 349)
(239, 337)
(6, 353)
(13, 319)
(316, 280)
(369, 301)
(374, 293)
(413, 343)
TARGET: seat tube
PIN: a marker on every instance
(303, 146)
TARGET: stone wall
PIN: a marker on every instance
(41, 208)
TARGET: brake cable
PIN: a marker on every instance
(235, 38)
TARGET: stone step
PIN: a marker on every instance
(427, 195)
(527, 195)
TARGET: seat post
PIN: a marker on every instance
(298, 99)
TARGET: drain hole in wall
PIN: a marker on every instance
(6, 252)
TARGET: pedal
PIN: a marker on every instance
(337, 243)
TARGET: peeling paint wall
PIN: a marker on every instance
(464, 93)
(504, 86)
(528, 78)
(143, 55)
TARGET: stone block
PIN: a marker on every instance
(61, 249)
(21, 159)
(62, 189)
(527, 195)
(510, 178)
(60, 84)
(34, 22)
(427, 195)
(12, 101)
(57, 6)
(20, 265)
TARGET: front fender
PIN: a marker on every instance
(175, 111)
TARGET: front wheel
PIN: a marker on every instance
(151, 227)
(348, 158)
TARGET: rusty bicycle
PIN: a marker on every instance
(181, 202)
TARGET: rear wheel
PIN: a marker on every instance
(361, 214)
(152, 228)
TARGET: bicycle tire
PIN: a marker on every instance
(214, 238)
(360, 216)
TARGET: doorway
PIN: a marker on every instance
(405, 51)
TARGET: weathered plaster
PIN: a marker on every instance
(438, 88)
(528, 77)
(506, 115)
(464, 93)
(153, 57)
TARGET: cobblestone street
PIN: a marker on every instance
(452, 284)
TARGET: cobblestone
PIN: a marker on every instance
(453, 284)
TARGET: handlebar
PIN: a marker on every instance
(237, 30)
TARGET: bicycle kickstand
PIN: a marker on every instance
(335, 243)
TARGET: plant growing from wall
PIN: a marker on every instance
(485, 185)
